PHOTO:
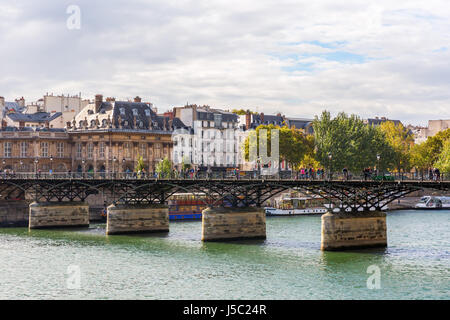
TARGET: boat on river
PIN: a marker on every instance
(429, 202)
(291, 206)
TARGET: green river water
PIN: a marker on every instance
(288, 265)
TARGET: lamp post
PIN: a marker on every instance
(329, 165)
(123, 164)
(114, 165)
(36, 161)
(21, 165)
(51, 164)
(83, 162)
(378, 164)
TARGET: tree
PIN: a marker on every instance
(164, 168)
(350, 142)
(443, 161)
(242, 112)
(293, 144)
(140, 165)
(185, 165)
(401, 142)
(426, 154)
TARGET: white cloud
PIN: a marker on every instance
(274, 55)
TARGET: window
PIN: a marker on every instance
(23, 149)
(104, 123)
(127, 150)
(135, 112)
(90, 151)
(122, 111)
(143, 150)
(60, 149)
(7, 149)
(44, 149)
(93, 123)
(147, 112)
(101, 150)
(79, 150)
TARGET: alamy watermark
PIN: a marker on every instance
(73, 281)
(374, 281)
(74, 20)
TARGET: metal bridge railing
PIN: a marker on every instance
(242, 175)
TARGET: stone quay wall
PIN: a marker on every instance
(58, 215)
(128, 218)
(14, 213)
(220, 224)
(353, 230)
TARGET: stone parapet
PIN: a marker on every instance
(342, 231)
(58, 215)
(135, 218)
(220, 224)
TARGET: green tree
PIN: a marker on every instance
(401, 142)
(426, 154)
(242, 112)
(164, 168)
(350, 142)
(293, 144)
(140, 165)
(443, 161)
(185, 165)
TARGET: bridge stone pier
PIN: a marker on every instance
(342, 231)
(221, 224)
(58, 215)
(137, 218)
(14, 213)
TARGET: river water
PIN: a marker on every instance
(85, 264)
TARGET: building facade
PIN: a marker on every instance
(33, 149)
(213, 140)
(110, 136)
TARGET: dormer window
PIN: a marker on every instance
(141, 124)
(104, 123)
(135, 112)
(122, 111)
(147, 112)
(92, 123)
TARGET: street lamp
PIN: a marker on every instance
(51, 164)
(330, 156)
(36, 161)
(123, 165)
(83, 162)
(378, 164)
(114, 164)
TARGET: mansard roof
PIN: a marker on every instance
(38, 117)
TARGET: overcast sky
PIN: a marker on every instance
(373, 58)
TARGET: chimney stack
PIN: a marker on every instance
(138, 99)
(262, 117)
(98, 102)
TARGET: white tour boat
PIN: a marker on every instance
(429, 202)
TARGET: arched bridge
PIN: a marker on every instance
(350, 196)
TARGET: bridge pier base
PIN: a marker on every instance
(137, 218)
(341, 231)
(58, 215)
(220, 224)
